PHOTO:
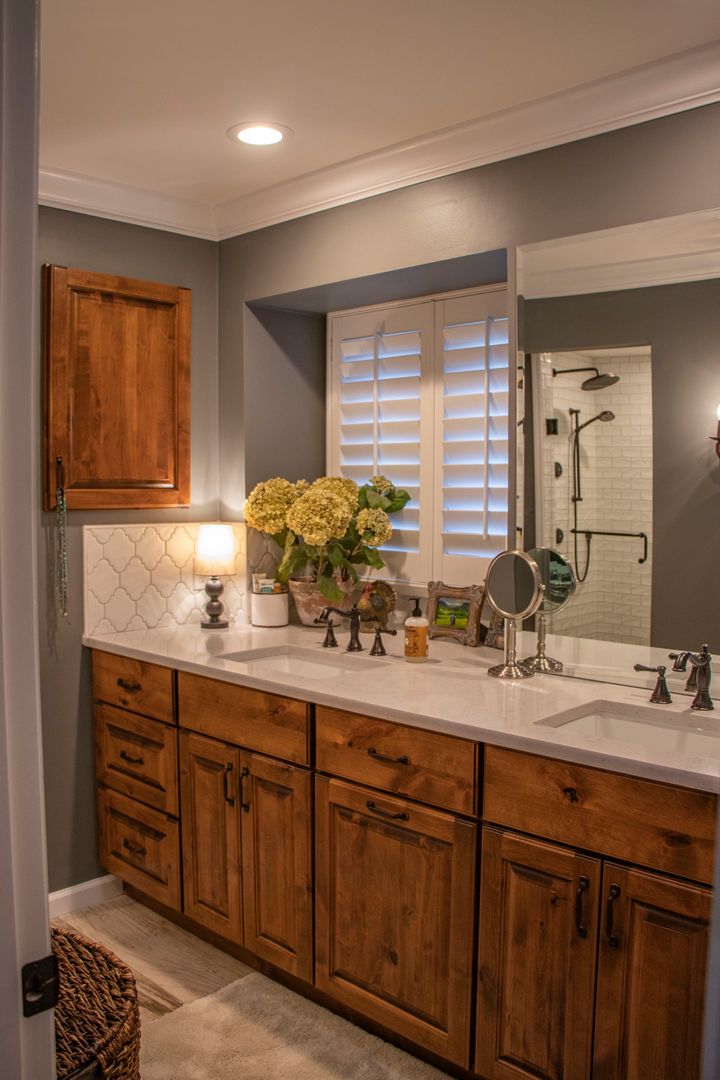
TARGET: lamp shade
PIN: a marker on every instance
(215, 551)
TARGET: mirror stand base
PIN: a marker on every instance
(512, 670)
(544, 664)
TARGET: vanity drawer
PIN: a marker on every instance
(133, 684)
(425, 765)
(271, 724)
(644, 821)
(137, 756)
(140, 846)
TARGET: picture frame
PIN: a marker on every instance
(454, 611)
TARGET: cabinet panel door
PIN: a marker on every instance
(395, 914)
(651, 977)
(536, 974)
(277, 875)
(210, 815)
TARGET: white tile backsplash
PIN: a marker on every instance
(142, 576)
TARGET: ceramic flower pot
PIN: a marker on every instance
(309, 601)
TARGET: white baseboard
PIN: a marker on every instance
(86, 894)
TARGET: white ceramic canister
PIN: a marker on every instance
(269, 609)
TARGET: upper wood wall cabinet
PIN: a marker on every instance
(117, 393)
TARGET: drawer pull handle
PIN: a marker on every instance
(243, 802)
(131, 687)
(571, 793)
(134, 848)
(582, 886)
(402, 760)
(226, 786)
(400, 816)
(131, 760)
(610, 916)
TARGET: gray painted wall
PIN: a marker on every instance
(653, 170)
(112, 247)
(682, 325)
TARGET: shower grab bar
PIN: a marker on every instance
(587, 533)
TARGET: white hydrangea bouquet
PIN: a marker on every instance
(326, 529)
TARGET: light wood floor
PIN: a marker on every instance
(171, 966)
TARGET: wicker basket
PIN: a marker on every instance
(97, 1023)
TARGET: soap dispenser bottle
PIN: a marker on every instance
(416, 635)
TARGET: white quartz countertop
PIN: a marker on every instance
(452, 693)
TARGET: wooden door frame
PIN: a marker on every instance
(27, 1044)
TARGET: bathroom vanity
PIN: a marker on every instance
(430, 851)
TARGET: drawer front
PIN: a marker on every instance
(135, 685)
(644, 821)
(274, 725)
(140, 846)
(425, 765)
(137, 757)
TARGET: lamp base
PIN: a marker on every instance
(214, 608)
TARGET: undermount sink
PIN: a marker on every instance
(304, 663)
(690, 734)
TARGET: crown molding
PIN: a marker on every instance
(674, 84)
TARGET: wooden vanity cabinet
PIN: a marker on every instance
(394, 913)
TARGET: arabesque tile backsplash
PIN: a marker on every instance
(141, 576)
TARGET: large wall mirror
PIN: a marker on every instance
(618, 390)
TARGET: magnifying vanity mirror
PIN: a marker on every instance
(560, 583)
(514, 589)
(618, 387)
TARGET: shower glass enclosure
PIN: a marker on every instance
(592, 451)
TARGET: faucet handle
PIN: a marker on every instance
(378, 649)
(330, 641)
(661, 694)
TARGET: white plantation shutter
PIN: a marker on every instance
(381, 403)
(472, 449)
(419, 392)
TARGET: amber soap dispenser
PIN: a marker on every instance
(416, 635)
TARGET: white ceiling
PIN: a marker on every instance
(136, 96)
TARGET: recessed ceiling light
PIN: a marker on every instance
(259, 133)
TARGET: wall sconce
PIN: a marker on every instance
(215, 554)
(716, 438)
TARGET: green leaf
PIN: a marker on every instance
(329, 588)
(399, 500)
(377, 501)
(362, 499)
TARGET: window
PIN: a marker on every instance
(420, 393)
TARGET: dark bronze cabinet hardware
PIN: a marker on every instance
(131, 760)
(402, 760)
(610, 916)
(40, 985)
(243, 802)
(133, 848)
(571, 793)
(400, 816)
(226, 786)
(582, 886)
(131, 687)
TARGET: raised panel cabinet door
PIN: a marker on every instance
(210, 819)
(276, 857)
(394, 914)
(117, 395)
(537, 958)
(651, 977)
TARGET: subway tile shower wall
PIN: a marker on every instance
(138, 577)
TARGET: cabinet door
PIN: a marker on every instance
(536, 975)
(276, 847)
(210, 815)
(394, 914)
(651, 977)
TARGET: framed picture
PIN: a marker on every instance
(455, 612)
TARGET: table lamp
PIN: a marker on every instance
(215, 554)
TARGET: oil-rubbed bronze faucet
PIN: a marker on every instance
(353, 615)
(661, 694)
(700, 675)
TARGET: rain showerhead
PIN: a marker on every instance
(596, 382)
(599, 382)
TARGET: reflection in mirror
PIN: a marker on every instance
(514, 589)
(559, 584)
(633, 502)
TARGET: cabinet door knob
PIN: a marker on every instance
(400, 816)
(610, 937)
(582, 886)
